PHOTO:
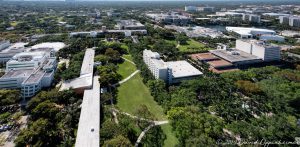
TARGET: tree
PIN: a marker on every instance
(39, 133)
(248, 87)
(181, 39)
(191, 125)
(102, 58)
(113, 55)
(9, 97)
(119, 141)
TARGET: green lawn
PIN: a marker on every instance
(128, 57)
(133, 93)
(126, 68)
(191, 46)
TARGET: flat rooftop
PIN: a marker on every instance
(88, 62)
(223, 70)
(84, 81)
(182, 69)
(247, 31)
(219, 63)
(231, 57)
(88, 133)
(203, 56)
(86, 74)
(17, 73)
(34, 78)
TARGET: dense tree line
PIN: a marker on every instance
(9, 97)
(253, 104)
(73, 71)
(54, 117)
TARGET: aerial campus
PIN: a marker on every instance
(149, 73)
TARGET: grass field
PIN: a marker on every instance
(191, 46)
(128, 57)
(133, 93)
(125, 69)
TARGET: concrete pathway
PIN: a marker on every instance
(143, 133)
(126, 79)
(128, 60)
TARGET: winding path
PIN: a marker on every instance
(143, 133)
(153, 123)
(128, 60)
(126, 79)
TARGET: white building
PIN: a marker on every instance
(170, 18)
(171, 72)
(190, 8)
(8, 53)
(260, 49)
(29, 71)
(284, 19)
(4, 44)
(294, 21)
(246, 33)
(251, 18)
(206, 9)
(129, 25)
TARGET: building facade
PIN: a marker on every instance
(260, 49)
(170, 72)
(29, 71)
(4, 44)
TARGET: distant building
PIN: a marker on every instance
(206, 9)
(196, 31)
(246, 33)
(251, 18)
(171, 72)
(170, 18)
(284, 20)
(7, 53)
(30, 71)
(190, 8)
(247, 52)
(129, 25)
(293, 21)
(4, 44)
(275, 14)
(264, 51)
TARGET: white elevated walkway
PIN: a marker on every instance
(88, 133)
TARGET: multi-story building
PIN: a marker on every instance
(247, 52)
(8, 53)
(206, 9)
(251, 18)
(284, 19)
(170, 18)
(246, 33)
(294, 21)
(4, 44)
(171, 72)
(29, 71)
(190, 8)
(129, 25)
(260, 49)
